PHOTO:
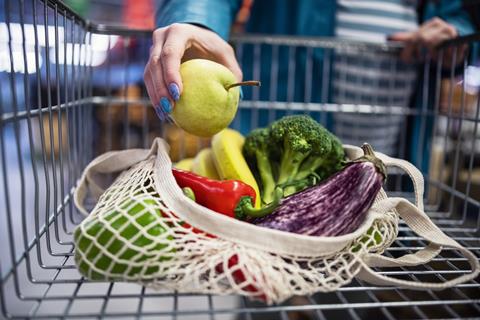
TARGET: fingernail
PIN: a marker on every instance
(174, 91)
(159, 112)
(166, 106)
(241, 93)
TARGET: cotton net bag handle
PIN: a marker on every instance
(93, 176)
(421, 224)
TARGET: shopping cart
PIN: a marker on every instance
(72, 90)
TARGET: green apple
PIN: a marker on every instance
(209, 99)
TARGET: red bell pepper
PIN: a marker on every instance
(230, 197)
(240, 278)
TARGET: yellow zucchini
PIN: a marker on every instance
(185, 164)
(203, 164)
(229, 161)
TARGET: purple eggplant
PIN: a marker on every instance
(335, 207)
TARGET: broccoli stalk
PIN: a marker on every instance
(256, 151)
(290, 173)
(323, 165)
(310, 166)
(292, 158)
(266, 176)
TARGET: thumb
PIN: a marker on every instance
(401, 36)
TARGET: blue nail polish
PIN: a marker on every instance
(241, 93)
(174, 91)
(166, 106)
(159, 112)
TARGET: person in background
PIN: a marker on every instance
(372, 78)
(378, 78)
(200, 29)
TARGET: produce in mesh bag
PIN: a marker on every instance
(232, 198)
(227, 256)
(125, 241)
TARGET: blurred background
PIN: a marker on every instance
(117, 65)
(109, 68)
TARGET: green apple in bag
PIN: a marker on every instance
(209, 98)
(123, 243)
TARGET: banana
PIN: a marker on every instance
(185, 164)
(229, 161)
(203, 164)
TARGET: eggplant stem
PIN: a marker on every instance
(369, 155)
(244, 83)
(368, 150)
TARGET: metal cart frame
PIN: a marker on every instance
(58, 119)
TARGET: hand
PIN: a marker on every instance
(175, 43)
(428, 36)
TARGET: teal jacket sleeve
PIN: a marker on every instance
(452, 12)
(216, 15)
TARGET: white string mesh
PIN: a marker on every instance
(132, 235)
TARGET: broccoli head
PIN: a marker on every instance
(326, 161)
(336, 160)
(294, 152)
(299, 139)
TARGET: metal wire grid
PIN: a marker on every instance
(48, 139)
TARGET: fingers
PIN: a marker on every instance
(152, 67)
(401, 36)
(428, 36)
(153, 93)
(163, 99)
(176, 42)
(227, 58)
(213, 47)
(434, 32)
(410, 48)
(149, 84)
(153, 76)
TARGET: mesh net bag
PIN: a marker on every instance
(143, 229)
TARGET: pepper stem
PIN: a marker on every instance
(188, 192)
(246, 208)
(244, 83)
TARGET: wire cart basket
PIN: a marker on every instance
(71, 90)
